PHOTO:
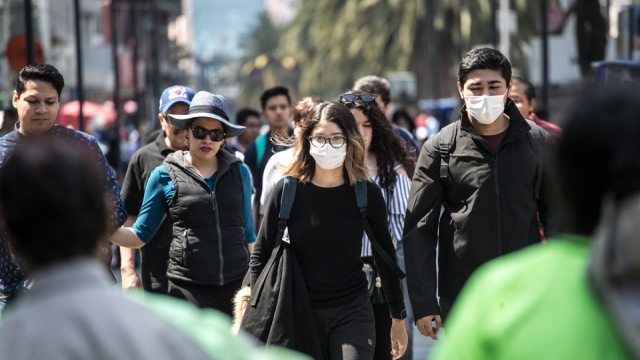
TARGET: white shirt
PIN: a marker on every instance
(273, 174)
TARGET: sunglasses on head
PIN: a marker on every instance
(354, 97)
(215, 135)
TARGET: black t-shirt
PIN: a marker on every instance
(155, 254)
(326, 231)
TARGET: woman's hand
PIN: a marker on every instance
(398, 338)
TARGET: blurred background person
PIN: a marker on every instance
(71, 312)
(250, 119)
(402, 119)
(277, 163)
(276, 109)
(586, 310)
(390, 167)
(175, 100)
(523, 94)
(9, 120)
(381, 88)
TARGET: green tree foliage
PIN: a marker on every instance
(338, 41)
(263, 64)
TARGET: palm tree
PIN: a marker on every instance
(338, 41)
(263, 65)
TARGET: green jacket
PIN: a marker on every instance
(534, 304)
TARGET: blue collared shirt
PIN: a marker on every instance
(11, 276)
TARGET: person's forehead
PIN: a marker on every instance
(359, 115)
(327, 128)
(277, 100)
(252, 118)
(39, 88)
(484, 76)
(517, 89)
(207, 123)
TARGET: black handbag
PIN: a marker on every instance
(374, 284)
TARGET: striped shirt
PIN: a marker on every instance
(396, 209)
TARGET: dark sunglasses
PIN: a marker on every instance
(214, 135)
(354, 97)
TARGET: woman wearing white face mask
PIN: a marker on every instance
(325, 230)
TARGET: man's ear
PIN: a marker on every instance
(161, 118)
(15, 99)
(533, 104)
(460, 91)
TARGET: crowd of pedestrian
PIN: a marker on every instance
(304, 233)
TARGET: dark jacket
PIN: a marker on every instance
(489, 202)
(209, 245)
(155, 254)
(279, 312)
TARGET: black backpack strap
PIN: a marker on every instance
(286, 202)
(447, 141)
(361, 199)
(538, 145)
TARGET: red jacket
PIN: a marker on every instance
(554, 130)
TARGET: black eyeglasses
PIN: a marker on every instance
(335, 141)
(215, 135)
(354, 97)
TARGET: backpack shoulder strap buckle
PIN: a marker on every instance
(282, 225)
(447, 139)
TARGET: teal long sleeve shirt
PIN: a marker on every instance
(158, 194)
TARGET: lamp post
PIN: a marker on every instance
(76, 6)
(28, 24)
(545, 54)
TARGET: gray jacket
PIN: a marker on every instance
(72, 313)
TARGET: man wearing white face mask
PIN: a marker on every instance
(488, 172)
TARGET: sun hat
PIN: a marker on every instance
(174, 94)
(206, 104)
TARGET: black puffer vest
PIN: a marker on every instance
(209, 245)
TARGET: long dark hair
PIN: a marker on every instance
(303, 166)
(385, 144)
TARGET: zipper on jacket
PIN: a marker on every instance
(184, 248)
(495, 175)
(219, 232)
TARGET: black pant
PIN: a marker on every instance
(383, 331)
(206, 296)
(347, 332)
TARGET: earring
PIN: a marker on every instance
(224, 144)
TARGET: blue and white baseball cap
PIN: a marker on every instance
(174, 94)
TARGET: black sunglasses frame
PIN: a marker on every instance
(329, 140)
(354, 97)
(210, 133)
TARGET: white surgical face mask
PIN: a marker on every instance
(485, 109)
(328, 157)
